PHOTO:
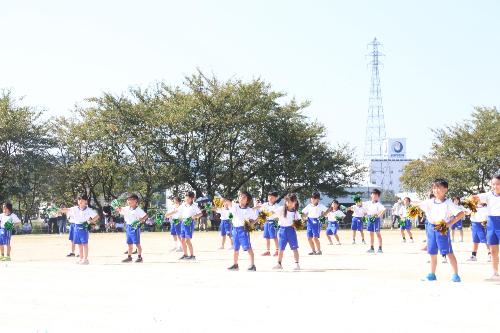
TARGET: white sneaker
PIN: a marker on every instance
(330, 243)
(221, 248)
(353, 242)
(179, 249)
(494, 277)
(84, 262)
(489, 258)
(472, 258)
(338, 243)
(278, 267)
(297, 267)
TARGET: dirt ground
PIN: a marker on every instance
(345, 289)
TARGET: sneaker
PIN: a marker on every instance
(135, 252)
(221, 248)
(330, 243)
(353, 242)
(278, 267)
(128, 259)
(412, 241)
(266, 254)
(430, 277)
(183, 257)
(338, 243)
(312, 253)
(472, 258)
(275, 253)
(179, 249)
(70, 255)
(191, 258)
(494, 277)
(297, 267)
(370, 251)
(6, 258)
(363, 241)
(234, 268)
(84, 262)
(404, 240)
(319, 253)
(252, 268)
(455, 278)
(126, 252)
(380, 251)
(139, 259)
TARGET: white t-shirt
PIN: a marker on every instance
(4, 218)
(358, 211)
(131, 215)
(493, 202)
(373, 208)
(480, 216)
(187, 211)
(403, 212)
(175, 215)
(79, 216)
(332, 216)
(242, 214)
(270, 208)
(314, 212)
(285, 221)
(436, 211)
(224, 213)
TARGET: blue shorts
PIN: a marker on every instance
(81, 235)
(478, 233)
(332, 228)
(407, 225)
(313, 228)
(287, 235)
(241, 238)
(457, 225)
(493, 230)
(226, 228)
(133, 236)
(270, 230)
(187, 230)
(374, 226)
(175, 229)
(5, 236)
(357, 223)
(436, 241)
(71, 232)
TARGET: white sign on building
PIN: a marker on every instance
(395, 148)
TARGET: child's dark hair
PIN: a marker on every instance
(376, 191)
(456, 198)
(133, 196)
(8, 205)
(407, 198)
(293, 198)
(176, 199)
(335, 202)
(190, 194)
(249, 197)
(273, 193)
(440, 182)
(83, 196)
(431, 196)
(316, 195)
(497, 176)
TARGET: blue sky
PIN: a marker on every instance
(441, 56)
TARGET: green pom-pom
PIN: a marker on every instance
(188, 221)
(116, 203)
(356, 198)
(9, 225)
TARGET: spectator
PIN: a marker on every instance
(395, 212)
(53, 214)
(61, 222)
(202, 224)
(26, 228)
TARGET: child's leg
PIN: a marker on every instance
(461, 235)
(72, 247)
(139, 249)
(268, 244)
(280, 256)
(235, 257)
(329, 238)
(311, 243)
(223, 240)
(379, 236)
(362, 235)
(337, 238)
(130, 249)
(276, 243)
(453, 262)
(296, 255)
(252, 256)
(475, 247)
(86, 251)
(8, 250)
(409, 233)
(231, 239)
(494, 258)
(434, 262)
(2, 250)
(318, 245)
(184, 246)
(402, 233)
(189, 245)
(372, 238)
(354, 235)
(80, 251)
(452, 235)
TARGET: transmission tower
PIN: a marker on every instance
(375, 127)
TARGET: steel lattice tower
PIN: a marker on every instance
(375, 127)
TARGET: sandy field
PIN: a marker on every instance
(344, 290)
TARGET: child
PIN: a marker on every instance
(492, 199)
(406, 221)
(374, 211)
(270, 230)
(287, 234)
(175, 225)
(478, 230)
(80, 215)
(458, 225)
(6, 233)
(188, 212)
(132, 213)
(358, 214)
(312, 212)
(440, 209)
(334, 215)
(226, 226)
(241, 237)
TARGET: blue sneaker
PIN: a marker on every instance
(430, 277)
(455, 278)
